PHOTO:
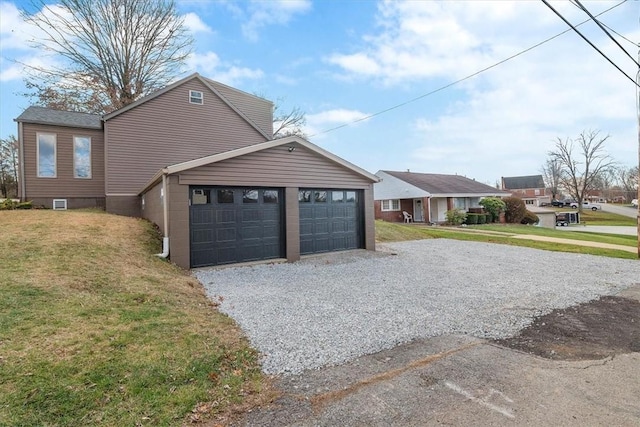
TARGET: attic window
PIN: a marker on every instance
(196, 97)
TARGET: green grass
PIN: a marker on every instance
(389, 232)
(96, 330)
(603, 218)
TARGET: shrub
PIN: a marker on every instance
(493, 206)
(530, 218)
(7, 205)
(490, 218)
(472, 218)
(455, 217)
(482, 218)
(24, 205)
(514, 210)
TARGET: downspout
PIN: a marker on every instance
(165, 214)
(21, 183)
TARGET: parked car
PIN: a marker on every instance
(557, 203)
(567, 202)
(587, 205)
(634, 202)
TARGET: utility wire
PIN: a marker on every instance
(587, 40)
(577, 2)
(611, 29)
(440, 89)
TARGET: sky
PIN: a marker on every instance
(377, 79)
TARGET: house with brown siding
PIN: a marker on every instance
(198, 159)
(426, 197)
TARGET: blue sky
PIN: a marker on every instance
(343, 61)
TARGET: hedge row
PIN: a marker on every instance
(475, 218)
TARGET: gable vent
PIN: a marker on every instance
(59, 204)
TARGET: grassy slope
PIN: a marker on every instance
(95, 330)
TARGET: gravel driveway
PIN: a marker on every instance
(329, 309)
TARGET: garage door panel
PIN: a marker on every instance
(332, 223)
(247, 226)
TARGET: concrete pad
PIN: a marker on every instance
(459, 380)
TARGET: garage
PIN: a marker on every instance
(231, 225)
(330, 220)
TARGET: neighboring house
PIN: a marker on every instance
(530, 189)
(426, 196)
(546, 217)
(198, 159)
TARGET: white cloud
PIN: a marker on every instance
(210, 65)
(324, 120)
(195, 24)
(263, 13)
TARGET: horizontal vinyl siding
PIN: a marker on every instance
(256, 109)
(168, 130)
(64, 185)
(276, 167)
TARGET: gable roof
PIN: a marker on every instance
(49, 116)
(522, 182)
(440, 184)
(215, 158)
(210, 86)
(391, 187)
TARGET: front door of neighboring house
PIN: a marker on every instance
(418, 212)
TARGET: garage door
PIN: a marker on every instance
(330, 220)
(230, 225)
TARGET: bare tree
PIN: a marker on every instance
(581, 165)
(628, 180)
(9, 167)
(551, 172)
(288, 123)
(110, 52)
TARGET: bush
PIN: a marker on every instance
(490, 218)
(472, 218)
(493, 206)
(514, 210)
(9, 205)
(530, 218)
(455, 217)
(482, 218)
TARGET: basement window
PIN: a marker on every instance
(59, 204)
(196, 97)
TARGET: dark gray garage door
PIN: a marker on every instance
(330, 220)
(230, 225)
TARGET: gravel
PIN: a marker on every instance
(330, 309)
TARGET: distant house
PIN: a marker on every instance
(530, 188)
(198, 158)
(426, 196)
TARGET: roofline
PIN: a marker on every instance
(265, 100)
(382, 178)
(173, 86)
(215, 158)
(483, 194)
(41, 122)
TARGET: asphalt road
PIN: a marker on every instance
(620, 210)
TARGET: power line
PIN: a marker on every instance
(440, 89)
(577, 2)
(587, 40)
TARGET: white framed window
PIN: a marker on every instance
(46, 154)
(196, 97)
(460, 203)
(60, 204)
(82, 157)
(390, 205)
(537, 192)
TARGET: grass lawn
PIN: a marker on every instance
(96, 330)
(603, 218)
(389, 232)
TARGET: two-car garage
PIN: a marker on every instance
(232, 225)
(279, 199)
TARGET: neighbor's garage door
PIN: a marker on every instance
(230, 225)
(330, 220)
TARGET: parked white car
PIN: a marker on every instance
(634, 202)
(587, 205)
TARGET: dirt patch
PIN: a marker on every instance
(594, 330)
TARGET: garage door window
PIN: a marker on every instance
(304, 196)
(270, 196)
(201, 196)
(337, 196)
(250, 196)
(225, 196)
(320, 196)
(351, 196)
